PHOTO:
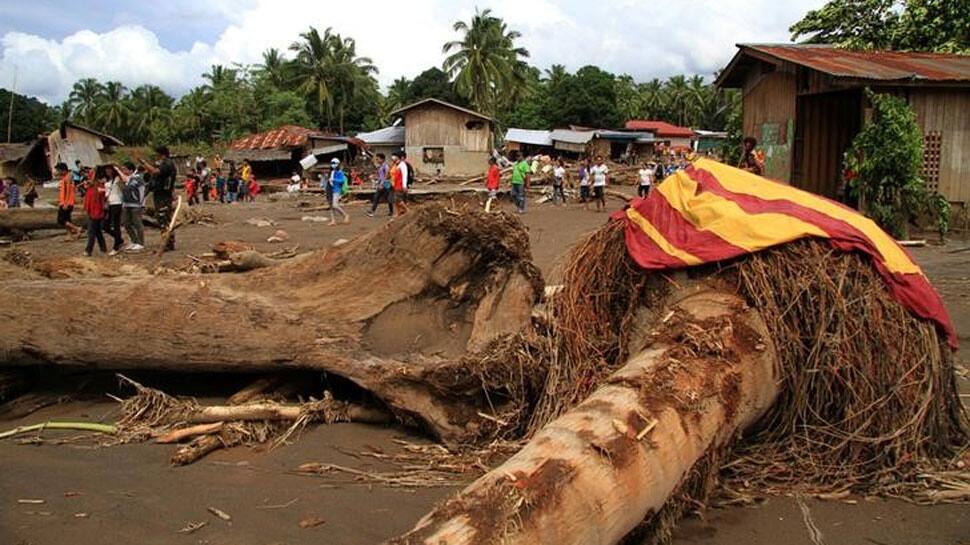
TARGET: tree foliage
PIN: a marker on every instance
(31, 117)
(908, 25)
(883, 167)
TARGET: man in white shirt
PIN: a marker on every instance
(558, 180)
(646, 176)
(599, 173)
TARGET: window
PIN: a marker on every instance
(433, 155)
(475, 125)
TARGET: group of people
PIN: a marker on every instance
(204, 184)
(391, 183)
(114, 197)
(10, 193)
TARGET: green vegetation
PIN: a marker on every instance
(884, 163)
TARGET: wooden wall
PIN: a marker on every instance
(948, 112)
(435, 125)
(826, 124)
(769, 115)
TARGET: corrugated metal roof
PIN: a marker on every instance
(287, 136)
(638, 136)
(572, 137)
(660, 128)
(387, 135)
(257, 155)
(529, 136)
(874, 65)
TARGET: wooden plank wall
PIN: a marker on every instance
(948, 112)
(769, 100)
(827, 123)
(441, 126)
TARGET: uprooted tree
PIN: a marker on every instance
(630, 392)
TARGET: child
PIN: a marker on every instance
(492, 183)
(94, 203)
(339, 180)
(253, 189)
(190, 190)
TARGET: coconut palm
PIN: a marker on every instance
(312, 69)
(112, 111)
(652, 99)
(149, 104)
(84, 99)
(350, 73)
(274, 67)
(219, 76)
(678, 98)
(484, 62)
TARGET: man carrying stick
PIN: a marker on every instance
(163, 189)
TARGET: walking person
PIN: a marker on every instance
(398, 172)
(66, 198)
(382, 186)
(558, 181)
(584, 183)
(338, 182)
(163, 190)
(492, 181)
(646, 177)
(220, 186)
(115, 196)
(600, 172)
(133, 196)
(520, 181)
(94, 204)
(328, 185)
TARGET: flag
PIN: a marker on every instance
(711, 212)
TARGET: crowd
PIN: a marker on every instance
(224, 182)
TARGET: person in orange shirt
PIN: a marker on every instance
(397, 182)
(66, 198)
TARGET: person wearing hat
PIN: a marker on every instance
(334, 167)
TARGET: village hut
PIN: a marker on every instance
(388, 140)
(445, 139)
(671, 136)
(805, 104)
(69, 143)
(529, 142)
(10, 157)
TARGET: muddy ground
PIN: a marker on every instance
(130, 494)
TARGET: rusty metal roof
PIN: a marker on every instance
(872, 65)
(287, 136)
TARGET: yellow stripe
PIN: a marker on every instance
(658, 238)
(726, 219)
(745, 183)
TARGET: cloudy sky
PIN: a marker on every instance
(51, 44)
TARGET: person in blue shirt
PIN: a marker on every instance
(382, 186)
(338, 180)
(12, 192)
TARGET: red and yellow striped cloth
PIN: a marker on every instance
(711, 212)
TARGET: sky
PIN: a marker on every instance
(48, 45)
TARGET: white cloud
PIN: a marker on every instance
(637, 37)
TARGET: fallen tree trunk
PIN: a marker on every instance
(393, 312)
(34, 219)
(596, 473)
(276, 411)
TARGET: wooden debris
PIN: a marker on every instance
(220, 513)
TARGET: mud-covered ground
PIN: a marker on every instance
(130, 493)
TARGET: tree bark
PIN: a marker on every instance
(387, 311)
(33, 219)
(595, 474)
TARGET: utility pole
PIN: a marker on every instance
(13, 93)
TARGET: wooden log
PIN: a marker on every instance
(277, 411)
(391, 311)
(593, 475)
(179, 435)
(34, 219)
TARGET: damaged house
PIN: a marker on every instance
(445, 139)
(69, 143)
(277, 152)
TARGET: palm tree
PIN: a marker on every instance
(84, 99)
(484, 63)
(112, 111)
(219, 76)
(274, 67)
(149, 104)
(194, 110)
(312, 69)
(350, 73)
(678, 98)
(652, 99)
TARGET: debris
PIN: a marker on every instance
(311, 522)
(220, 513)
(192, 527)
(81, 515)
(51, 425)
(339, 242)
(261, 222)
(814, 534)
(278, 506)
(316, 219)
(279, 236)
(31, 502)
(191, 431)
(912, 243)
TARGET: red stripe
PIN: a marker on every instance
(683, 234)
(913, 291)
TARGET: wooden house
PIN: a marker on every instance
(805, 104)
(442, 138)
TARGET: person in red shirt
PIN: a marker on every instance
(492, 182)
(397, 182)
(94, 203)
(253, 189)
(191, 192)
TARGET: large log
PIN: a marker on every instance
(596, 473)
(389, 311)
(34, 219)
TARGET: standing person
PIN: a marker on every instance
(253, 189)
(66, 198)
(749, 160)
(520, 181)
(382, 186)
(243, 195)
(13, 193)
(205, 180)
(339, 181)
(492, 181)
(115, 197)
(163, 190)
(191, 189)
(133, 196)
(646, 176)
(232, 188)
(30, 192)
(584, 183)
(558, 179)
(94, 202)
(397, 181)
(408, 177)
(334, 165)
(220, 186)
(599, 172)
(658, 172)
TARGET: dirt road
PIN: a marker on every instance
(130, 494)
